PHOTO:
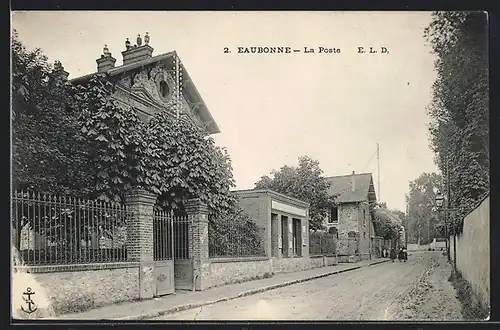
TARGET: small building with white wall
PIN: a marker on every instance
(285, 223)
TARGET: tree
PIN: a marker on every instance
(78, 140)
(459, 110)
(383, 224)
(399, 214)
(47, 154)
(423, 216)
(234, 233)
(304, 182)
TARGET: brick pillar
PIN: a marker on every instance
(197, 213)
(140, 205)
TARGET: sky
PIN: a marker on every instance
(273, 108)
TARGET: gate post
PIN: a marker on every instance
(197, 212)
(140, 205)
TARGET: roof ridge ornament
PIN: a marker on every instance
(106, 51)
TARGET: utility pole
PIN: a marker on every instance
(378, 171)
(407, 218)
(446, 209)
(429, 231)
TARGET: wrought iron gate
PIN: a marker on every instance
(163, 247)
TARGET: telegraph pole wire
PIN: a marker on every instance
(378, 172)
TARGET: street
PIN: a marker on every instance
(415, 290)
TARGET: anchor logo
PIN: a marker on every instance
(32, 307)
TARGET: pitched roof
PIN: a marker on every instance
(190, 91)
(342, 186)
(389, 215)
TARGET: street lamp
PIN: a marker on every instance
(439, 200)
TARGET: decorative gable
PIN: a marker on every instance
(148, 84)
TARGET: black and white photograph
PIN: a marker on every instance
(250, 165)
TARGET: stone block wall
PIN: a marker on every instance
(364, 224)
(348, 222)
(77, 288)
(232, 270)
(288, 265)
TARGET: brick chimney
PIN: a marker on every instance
(106, 62)
(59, 72)
(137, 52)
(353, 182)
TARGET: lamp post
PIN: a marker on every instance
(439, 204)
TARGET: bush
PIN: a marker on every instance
(234, 234)
(472, 309)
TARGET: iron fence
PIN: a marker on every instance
(172, 236)
(235, 239)
(321, 243)
(50, 230)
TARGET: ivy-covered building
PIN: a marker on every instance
(149, 84)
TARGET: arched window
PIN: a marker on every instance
(164, 89)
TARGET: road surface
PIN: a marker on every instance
(378, 292)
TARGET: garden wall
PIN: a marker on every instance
(76, 288)
(473, 251)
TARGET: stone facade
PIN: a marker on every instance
(355, 218)
(354, 196)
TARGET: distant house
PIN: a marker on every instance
(384, 212)
(351, 219)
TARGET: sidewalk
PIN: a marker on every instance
(183, 300)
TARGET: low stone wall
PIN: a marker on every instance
(234, 270)
(317, 261)
(364, 256)
(76, 288)
(288, 265)
(348, 258)
(331, 261)
(323, 261)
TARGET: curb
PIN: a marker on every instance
(378, 262)
(180, 308)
